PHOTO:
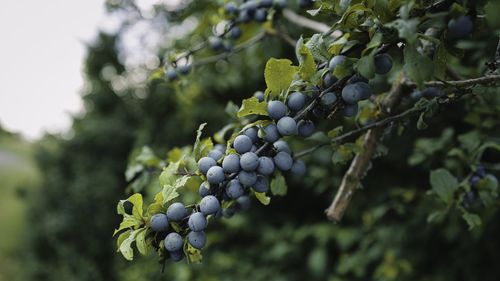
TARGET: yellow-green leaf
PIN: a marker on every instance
(197, 146)
(252, 106)
(140, 241)
(261, 196)
(278, 185)
(279, 74)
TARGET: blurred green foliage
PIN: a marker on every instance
(384, 236)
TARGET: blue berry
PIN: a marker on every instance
(204, 189)
(261, 184)
(215, 154)
(231, 164)
(357, 78)
(270, 133)
(276, 109)
(281, 145)
(234, 189)
(460, 27)
(305, 128)
(171, 74)
(252, 133)
(249, 161)
(366, 90)
(216, 44)
(266, 166)
(173, 242)
(328, 99)
(335, 61)
(283, 161)
(287, 126)
(209, 205)
(260, 15)
(231, 8)
(350, 110)
(296, 101)
(215, 175)
(244, 202)
(176, 256)
(184, 69)
(352, 93)
(235, 32)
(242, 144)
(206, 163)
(244, 17)
(197, 222)
(329, 80)
(383, 63)
(159, 222)
(266, 3)
(247, 178)
(176, 211)
(298, 168)
(197, 239)
(259, 95)
(220, 147)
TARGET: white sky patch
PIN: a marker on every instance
(41, 53)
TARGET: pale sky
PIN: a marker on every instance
(42, 45)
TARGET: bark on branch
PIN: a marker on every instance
(305, 22)
(361, 162)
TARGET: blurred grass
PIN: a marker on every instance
(18, 175)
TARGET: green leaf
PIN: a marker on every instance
(419, 68)
(436, 216)
(344, 153)
(317, 46)
(126, 246)
(231, 109)
(335, 132)
(122, 238)
(197, 147)
(407, 29)
(472, 220)
(169, 193)
(336, 47)
(261, 196)
(307, 66)
(444, 184)
(252, 106)
(136, 200)
(168, 175)
(278, 185)
(279, 74)
(421, 125)
(128, 222)
(344, 69)
(366, 66)
(140, 241)
(440, 62)
(192, 254)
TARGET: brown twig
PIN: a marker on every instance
(361, 162)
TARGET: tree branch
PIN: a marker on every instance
(305, 22)
(489, 79)
(360, 164)
(380, 123)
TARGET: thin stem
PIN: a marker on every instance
(363, 129)
(489, 79)
(236, 49)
